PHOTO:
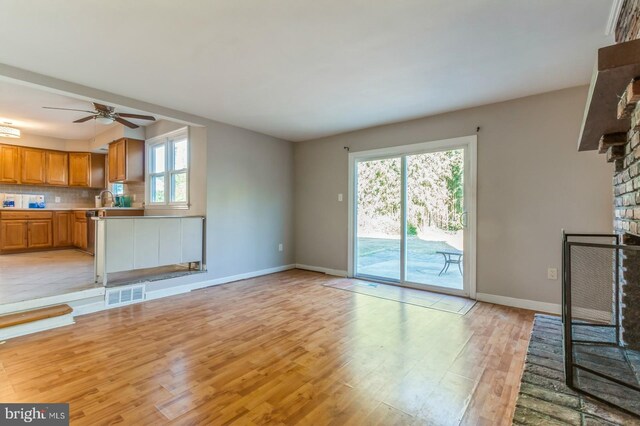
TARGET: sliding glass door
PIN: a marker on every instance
(379, 220)
(411, 213)
(435, 219)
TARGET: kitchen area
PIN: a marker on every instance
(55, 190)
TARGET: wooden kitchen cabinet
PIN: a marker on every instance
(57, 168)
(87, 170)
(33, 166)
(26, 230)
(126, 160)
(9, 164)
(80, 230)
(13, 235)
(40, 234)
(62, 229)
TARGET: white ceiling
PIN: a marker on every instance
(22, 107)
(301, 69)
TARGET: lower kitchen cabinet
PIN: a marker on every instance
(13, 235)
(80, 230)
(62, 229)
(21, 231)
(39, 234)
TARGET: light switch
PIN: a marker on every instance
(552, 273)
(339, 197)
(57, 199)
(280, 247)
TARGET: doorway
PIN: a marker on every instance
(412, 215)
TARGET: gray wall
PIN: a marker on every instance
(244, 181)
(532, 182)
(249, 201)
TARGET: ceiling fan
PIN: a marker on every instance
(106, 115)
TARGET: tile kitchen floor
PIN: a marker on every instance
(26, 276)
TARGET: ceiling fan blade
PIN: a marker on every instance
(104, 108)
(70, 109)
(126, 123)
(82, 120)
(138, 116)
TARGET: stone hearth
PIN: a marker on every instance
(545, 399)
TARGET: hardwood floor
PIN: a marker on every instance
(280, 349)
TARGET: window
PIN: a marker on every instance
(168, 170)
(117, 188)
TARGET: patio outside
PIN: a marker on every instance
(434, 219)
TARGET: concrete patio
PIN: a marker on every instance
(380, 257)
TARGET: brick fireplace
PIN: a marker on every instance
(601, 279)
(623, 149)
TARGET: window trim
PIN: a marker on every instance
(166, 139)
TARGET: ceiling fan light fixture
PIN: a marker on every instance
(9, 132)
(104, 120)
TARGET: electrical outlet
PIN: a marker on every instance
(84, 194)
(340, 197)
(133, 197)
(280, 247)
(552, 273)
(57, 199)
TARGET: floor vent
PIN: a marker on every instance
(124, 295)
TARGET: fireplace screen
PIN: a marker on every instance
(601, 317)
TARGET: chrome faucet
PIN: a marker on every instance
(102, 199)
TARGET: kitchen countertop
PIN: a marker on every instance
(50, 209)
(146, 217)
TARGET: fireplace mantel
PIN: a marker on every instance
(616, 66)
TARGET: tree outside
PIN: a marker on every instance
(434, 213)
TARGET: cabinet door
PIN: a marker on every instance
(13, 234)
(40, 234)
(79, 169)
(33, 163)
(9, 164)
(57, 168)
(117, 161)
(80, 233)
(97, 172)
(62, 229)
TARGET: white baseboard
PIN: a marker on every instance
(245, 276)
(533, 305)
(36, 326)
(328, 271)
(172, 291)
(87, 306)
(27, 305)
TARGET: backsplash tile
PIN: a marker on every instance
(134, 190)
(69, 197)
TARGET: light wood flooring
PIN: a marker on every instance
(27, 276)
(280, 349)
(426, 299)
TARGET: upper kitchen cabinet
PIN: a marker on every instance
(57, 168)
(126, 160)
(87, 170)
(33, 165)
(9, 164)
